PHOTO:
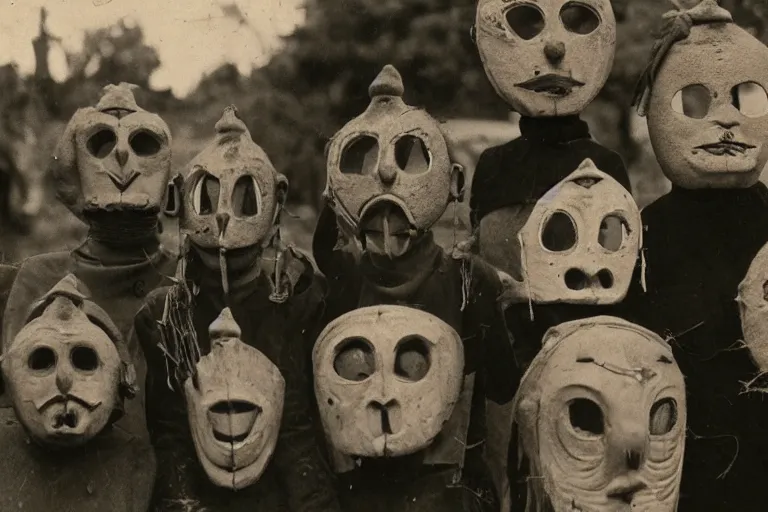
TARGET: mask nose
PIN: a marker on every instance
(121, 154)
(387, 174)
(222, 219)
(64, 379)
(554, 51)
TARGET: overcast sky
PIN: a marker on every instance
(191, 36)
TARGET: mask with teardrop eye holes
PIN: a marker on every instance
(601, 414)
(580, 242)
(546, 57)
(386, 379)
(708, 107)
(116, 156)
(390, 176)
(234, 406)
(67, 370)
(232, 195)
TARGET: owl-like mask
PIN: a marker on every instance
(706, 103)
(116, 156)
(232, 194)
(602, 416)
(386, 379)
(580, 243)
(234, 405)
(389, 173)
(67, 370)
(546, 57)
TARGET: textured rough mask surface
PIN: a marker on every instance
(580, 243)
(602, 417)
(753, 306)
(234, 405)
(708, 109)
(64, 372)
(546, 57)
(116, 156)
(389, 172)
(387, 379)
(232, 193)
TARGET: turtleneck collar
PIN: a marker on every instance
(244, 273)
(123, 231)
(400, 277)
(757, 192)
(553, 130)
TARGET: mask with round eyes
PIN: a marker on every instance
(389, 173)
(232, 195)
(546, 57)
(753, 308)
(580, 242)
(116, 156)
(707, 106)
(234, 405)
(66, 371)
(387, 379)
(601, 413)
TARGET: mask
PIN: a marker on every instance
(234, 405)
(601, 415)
(546, 57)
(232, 194)
(707, 108)
(386, 379)
(116, 156)
(580, 243)
(389, 173)
(65, 371)
(753, 307)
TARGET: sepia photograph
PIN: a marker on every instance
(383, 255)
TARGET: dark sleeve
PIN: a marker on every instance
(166, 414)
(483, 170)
(324, 243)
(612, 164)
(303, 473)
(501, 371)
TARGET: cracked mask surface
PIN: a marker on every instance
(580, 242)
(601, 414)
(63, 371)
(546, 57)
(708, 110)
(116, 156)
(234, 406)
(386, 379)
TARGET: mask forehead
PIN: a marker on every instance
(562, 52)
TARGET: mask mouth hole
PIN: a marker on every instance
(232, 420)
(385, 418)
(605, 277)
(233, 407)
(575, 279)
(66, 419)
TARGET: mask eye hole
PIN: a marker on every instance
(559, 233)
(525, 20)
(41, 359)
(586, 417)
(411, 155)
(360, 156)
(144, 143)
(246, 197)
(205, 198)
(355, 360)
(663, 417)
(692, 101)
(84, 359)
(412, 358)
(579, 18)
(613, 231)
(101, 143)
(750, 99)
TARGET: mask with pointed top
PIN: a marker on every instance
(389, 172)
(113, 157)
(234, 406)
(232, 194)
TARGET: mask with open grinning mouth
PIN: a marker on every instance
(706, 101)
(601, 413)
(114, 157)
(386, 379)
(234, 405)
(67, 369)
(546, 57)
(390, 177)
